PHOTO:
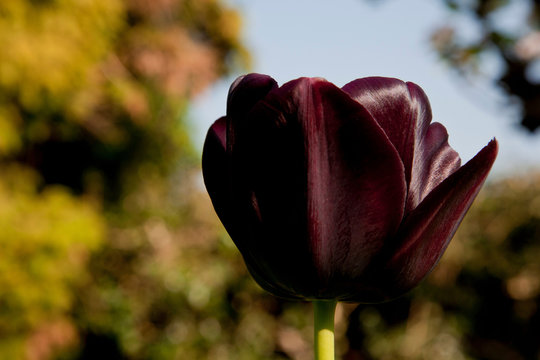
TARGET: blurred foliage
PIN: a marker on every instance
(502, 32)
(104, 84)
(95, 161)
(44, 252)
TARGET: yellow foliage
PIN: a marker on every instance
(93, 96)
(45, 239)
(49, 50)
(10, 140)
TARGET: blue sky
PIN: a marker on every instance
(342, 40)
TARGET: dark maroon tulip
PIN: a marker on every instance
(348, 194)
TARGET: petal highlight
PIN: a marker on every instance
(403, 111)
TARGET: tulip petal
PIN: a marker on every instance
(215, 166)
(317, 161)
(267, 178)
(389, 102)
(244, 93)
(403, 111)
(217, 179)
(426, 232)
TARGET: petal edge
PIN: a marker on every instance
(427, 231)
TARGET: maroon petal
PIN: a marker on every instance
(241, 222)
(403, 111)
(434, 161)
(215, 164)
(426, 232)
(324, 178)
(244, 93)
(389, 102)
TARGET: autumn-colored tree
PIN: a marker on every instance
(93, 100)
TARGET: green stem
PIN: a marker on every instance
(324, 329)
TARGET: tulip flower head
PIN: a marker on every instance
(344, 194)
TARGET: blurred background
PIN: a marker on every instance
(109, 246)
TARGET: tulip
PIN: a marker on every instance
(347, 194)
(337, 194)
